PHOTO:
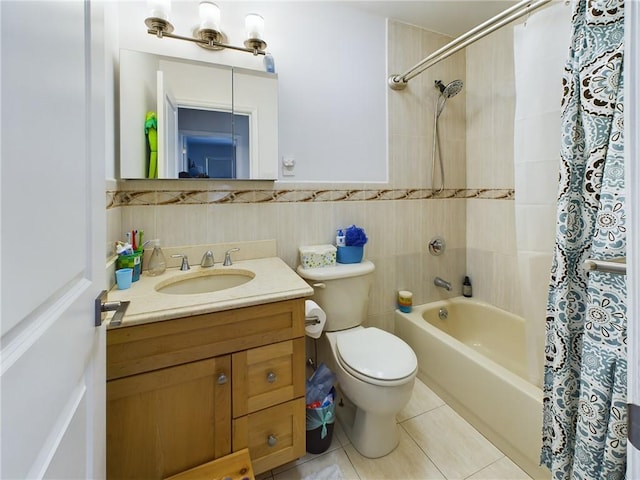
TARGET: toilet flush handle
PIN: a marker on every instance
(319, 285)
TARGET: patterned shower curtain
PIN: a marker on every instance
(585, 416)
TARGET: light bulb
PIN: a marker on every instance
(209, 16)
(254, 25)
(159, 9)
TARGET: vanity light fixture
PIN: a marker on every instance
(208, 35)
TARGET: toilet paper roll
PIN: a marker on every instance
(311, 310)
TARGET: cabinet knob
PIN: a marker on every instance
(272, 440)
(271, 377)
(222, 379)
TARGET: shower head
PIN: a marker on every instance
(450, 90)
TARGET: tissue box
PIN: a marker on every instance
(318, 256)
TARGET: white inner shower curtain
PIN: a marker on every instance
(541, 45)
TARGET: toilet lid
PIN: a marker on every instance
(376, 354)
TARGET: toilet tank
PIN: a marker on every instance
(342, 291)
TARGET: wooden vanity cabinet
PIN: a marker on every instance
(183, 392)
(165, 421)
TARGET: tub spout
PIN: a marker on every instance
(442, 284)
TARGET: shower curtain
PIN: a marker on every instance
(585, 417)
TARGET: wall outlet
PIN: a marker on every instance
(288, 166)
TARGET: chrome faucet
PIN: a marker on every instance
(439, 282)
(185, 261)
(227, 257)
(207, 259)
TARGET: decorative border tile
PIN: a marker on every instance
(211, 197)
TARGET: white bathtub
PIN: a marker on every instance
(475, 360)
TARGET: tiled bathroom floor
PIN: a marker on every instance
(435, 443)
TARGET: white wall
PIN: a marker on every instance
(332, 78)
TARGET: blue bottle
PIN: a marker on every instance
(269, 65)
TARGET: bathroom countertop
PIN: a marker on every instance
(274, 281)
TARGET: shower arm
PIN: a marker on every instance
(399, 81)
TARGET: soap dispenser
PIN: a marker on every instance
(157, 262)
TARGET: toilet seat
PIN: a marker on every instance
(375, 356)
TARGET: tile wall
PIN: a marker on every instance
(399, 217)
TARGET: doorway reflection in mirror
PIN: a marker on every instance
(214, 143)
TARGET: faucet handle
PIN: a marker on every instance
(185, 261)
(207, 259)
(227, 257)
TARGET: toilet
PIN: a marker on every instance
(375, 369)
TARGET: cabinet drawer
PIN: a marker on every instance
(274, 436)
(267, 376)
(152, 346)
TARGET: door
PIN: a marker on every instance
(167, 130)
(632, 147)
(166, 421)
(52, 246)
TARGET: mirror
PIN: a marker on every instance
(211, 121)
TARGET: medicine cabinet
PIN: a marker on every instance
(213, 121)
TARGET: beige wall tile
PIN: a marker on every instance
(181, 224)
(383, 291)
(447, 218)
(114, 230)
(480, 269)
(410, 156)
(451, 266)
(506, 283)
(490, 111)
(384, 321)
(491, 225)
(142, 218)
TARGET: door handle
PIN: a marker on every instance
(633, 417)
(102, 307)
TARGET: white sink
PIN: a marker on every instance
(205, 281)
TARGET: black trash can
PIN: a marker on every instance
(320, 422)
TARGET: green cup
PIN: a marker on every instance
(133, 261)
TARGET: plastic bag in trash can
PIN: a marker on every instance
(322, 416)
(319, 384)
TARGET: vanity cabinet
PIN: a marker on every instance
(183, 392)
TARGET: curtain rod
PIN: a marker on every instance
(399, 82)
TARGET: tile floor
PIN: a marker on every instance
(435, 443)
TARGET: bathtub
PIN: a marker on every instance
(475, 360)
